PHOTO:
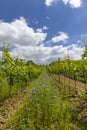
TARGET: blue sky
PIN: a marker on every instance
(43, 30)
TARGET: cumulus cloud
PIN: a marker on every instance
(29, 44)
(18, 32)
(39, 30)
(75, 51)
(39, 54)
(44, 55)
(45, 27)
(73, 3)
(61, 37)
(50, 2)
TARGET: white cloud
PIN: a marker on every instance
(44, 55)
(0, 55)
(18, 32)
(50, 2)
(61, 37)
(39, 54)
(28, 43)
(45, 27)
(73, 3)
(65, 1)
(75, 51)
(39, 30)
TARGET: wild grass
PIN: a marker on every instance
(44, 109)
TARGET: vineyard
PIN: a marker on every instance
(39, 97)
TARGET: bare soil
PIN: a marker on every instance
(9, 107)
(79, 85)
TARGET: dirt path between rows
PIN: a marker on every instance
(68, 81)
(9, 107)
(79, 85)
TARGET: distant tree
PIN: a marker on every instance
(84, 55)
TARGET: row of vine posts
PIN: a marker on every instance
(76, 71)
